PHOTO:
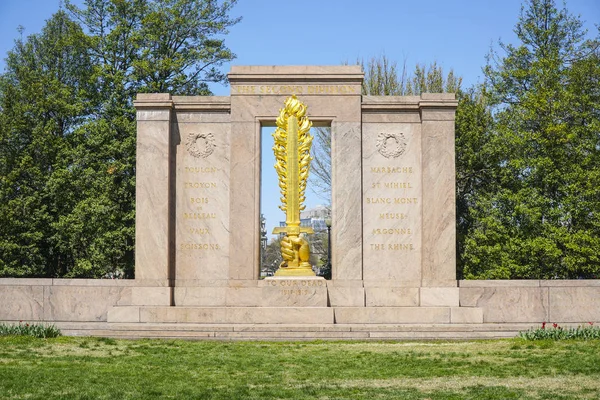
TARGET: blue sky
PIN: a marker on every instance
(455, 33)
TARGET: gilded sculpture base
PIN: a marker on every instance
(288, 271)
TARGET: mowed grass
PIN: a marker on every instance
(95, 368)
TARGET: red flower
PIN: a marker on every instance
(555, 325)
(591, 323)
(543, 325)
(26, 324)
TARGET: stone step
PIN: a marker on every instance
(222, 315)
(330, 331)
(296, 315)
(407, 315)
(294, 335)
(295, 327)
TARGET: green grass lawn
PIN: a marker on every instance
(90, 368)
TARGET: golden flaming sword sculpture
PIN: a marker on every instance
(292, 162)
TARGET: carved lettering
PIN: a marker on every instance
(295, 89)
(200, 185)
(201, 170)
(391, 170)
(397, 185)
(298, 292)
(392, 216)
(400, 246)
(199, 215)
(392, 247)
(392, 231)
(297, 283)
(388, 200)
(405, 200)
(245, 89)
(200, 246)
(199, 231)
(379, 200)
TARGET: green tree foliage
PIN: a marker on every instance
(539, 216)
(43, 96)
(475, 161)
(67, 144)
(382, 78)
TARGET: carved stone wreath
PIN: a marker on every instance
(203, 149)
(391, 144)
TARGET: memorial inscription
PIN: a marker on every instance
(201, 222)
(391, 202)
(295, 89)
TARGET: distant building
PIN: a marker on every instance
(314, 217)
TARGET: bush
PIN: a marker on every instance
(27, 329)
(559, 333)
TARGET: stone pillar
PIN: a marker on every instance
(392, 194)
(244, 211)
(346, 191)
(153, 241)
(439, 202)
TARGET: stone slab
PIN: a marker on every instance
(123, 314)
(82, 303)
(98, 282)
(466, 315)
(238, 315)
(391, 297)
(390, 283)
(439, 296)
(200, 296)
(574, 304)
(346, 296)
(25, 281)
(392, 201)
(22, 303)
(345, 283)
(392, 315)
(500, 282)
(439, 203)
(268, 296)
(346, 214)
(508, 304)
(153, 172)
(570, 282)
(150, 296)
(202, 200)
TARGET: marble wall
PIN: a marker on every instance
(90, 300)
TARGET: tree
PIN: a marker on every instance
(320, 167)
(69, 178)
(382, 78)
(44, 97)
(475, 161)
(541, 218)
(271, 259)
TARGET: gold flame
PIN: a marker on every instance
(292, 107)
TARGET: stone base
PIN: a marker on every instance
(271, 292)
(407, 315)
(223, 315)
(297, 315)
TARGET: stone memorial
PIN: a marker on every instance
(393, 207)
(392, 236)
